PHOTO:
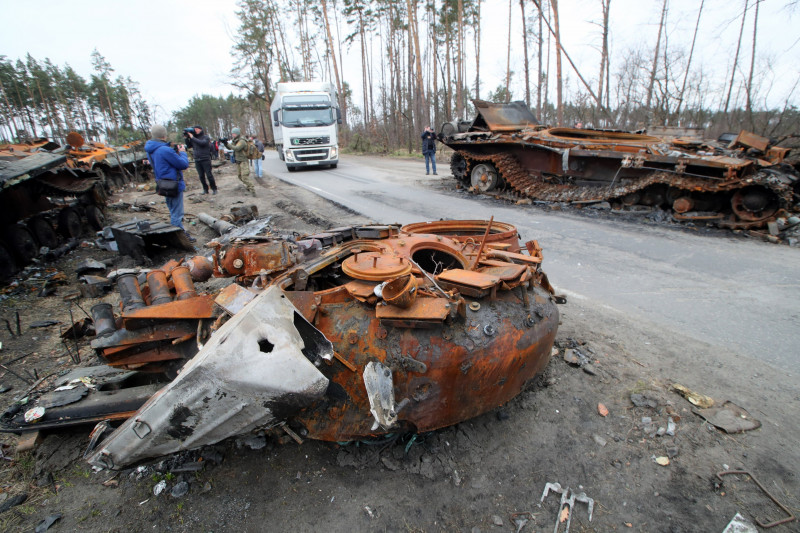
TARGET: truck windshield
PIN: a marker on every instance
(307, 116)
(304, 111)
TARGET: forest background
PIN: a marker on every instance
(399, 65)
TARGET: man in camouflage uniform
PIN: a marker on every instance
(239, 146)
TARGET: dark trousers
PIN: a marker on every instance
(203, 170)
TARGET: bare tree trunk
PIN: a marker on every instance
(688, 63)
(736, 58)
(413, 23)
(752, 67)
(559, 109)
(654, 69)
(539, 77)
(525, 51)
(477, 35)
(434, 62)
(606, 5)
(447, 57)
(508, 57)
(460, 61)
(342, 102)
(9, 112)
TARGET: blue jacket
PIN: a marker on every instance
(167, 164)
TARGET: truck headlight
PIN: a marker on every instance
(334, 153)
(289, 155)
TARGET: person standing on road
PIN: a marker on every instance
(168, 165)
(239, 146)
(202, 158)
(429, 150)
(257, 161)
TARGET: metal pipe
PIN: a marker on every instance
(130, 293)
(220, 226)
(159, 288)
(182, 281)
(103, 318)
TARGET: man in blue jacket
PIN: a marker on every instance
(168, 164)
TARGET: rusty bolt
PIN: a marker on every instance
(238, 263)
(382, 333)
(474, 306)
(401, 243)
(352, 338)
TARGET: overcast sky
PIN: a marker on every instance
(176, 49)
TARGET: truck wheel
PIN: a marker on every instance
(69, 223)
(484, 177)
(22, 243)
(43, 231)
(279, 148)
(8, 266)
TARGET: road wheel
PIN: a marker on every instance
(754, 203)
(95, 217)
(43, 231)
(458, 166)
(8, 266)
(22, 243)
(279, 148)
(69, 223)
(484, 177)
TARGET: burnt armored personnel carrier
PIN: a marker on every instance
(738, 184)
(47, 192)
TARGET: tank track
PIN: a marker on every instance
(537, 187)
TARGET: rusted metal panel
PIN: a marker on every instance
(513, 116)
(479, 280)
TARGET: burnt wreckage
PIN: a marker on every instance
(343, 335)
(47, 191)
(742, 183)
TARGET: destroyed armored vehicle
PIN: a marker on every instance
(742, 184)
(343, 335)
(47, 191)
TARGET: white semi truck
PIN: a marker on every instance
(304, 123)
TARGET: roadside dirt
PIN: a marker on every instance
(471, 477)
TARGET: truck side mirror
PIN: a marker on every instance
(275, 120)
(338, 116)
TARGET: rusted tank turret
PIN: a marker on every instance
(351, 333)
(739, 184)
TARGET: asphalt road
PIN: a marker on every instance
(737, 294)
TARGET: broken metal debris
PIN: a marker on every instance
(140, 238)
(567, 504)
(741, 184)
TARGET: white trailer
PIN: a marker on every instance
(304, 124)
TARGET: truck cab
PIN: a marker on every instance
(305, 116)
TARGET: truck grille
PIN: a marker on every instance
(310, 141)
(311, 155)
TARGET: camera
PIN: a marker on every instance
(223, 140)
(187, 131)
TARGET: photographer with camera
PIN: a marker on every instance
(429, 149)
(168, 162)
(201, 145)
(239, 146)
